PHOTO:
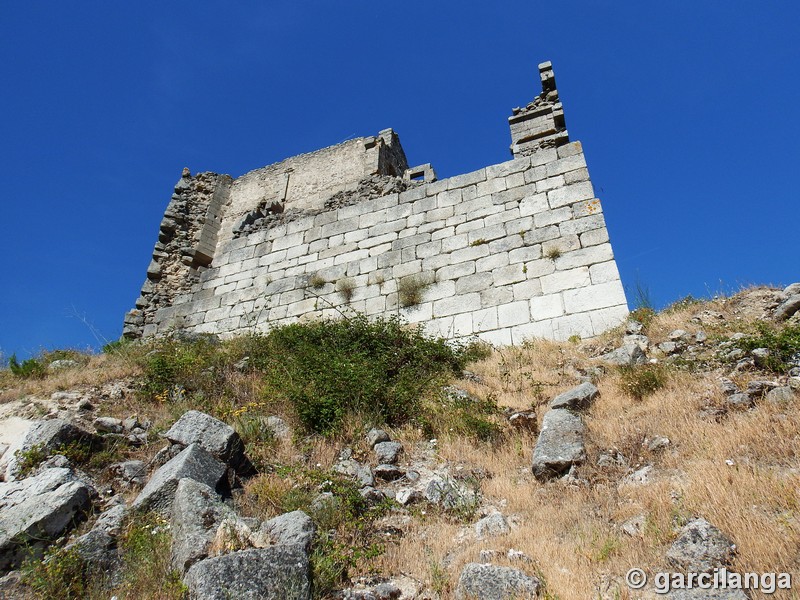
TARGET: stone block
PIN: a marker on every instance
(524, 290)
(606, 318)
(549, 183)
(528, 331)
(585, 257)
(37, 510)
(552, 217)
(460, 181)
(569, 194)
(451, 306)
(569, 325)
(491, 262)
(484, 319)
(515, 313)
(510, 274)
(531, 205)
(568, 163)
(593, 297)
(469, 253)
(525, 254)
(579, 225)
(193, 463)
(473, 283)
(594, 237)
(275, 573)
(546, 307)
(560, 444)
(497, 337)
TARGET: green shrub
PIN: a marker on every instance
(378, 370)
(783, 344)
(27, 369)
(640, 381)
(61, 574)
(180, 364)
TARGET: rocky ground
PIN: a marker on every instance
(670, 444)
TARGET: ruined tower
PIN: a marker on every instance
(511, 251)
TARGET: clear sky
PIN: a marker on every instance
(688, 114)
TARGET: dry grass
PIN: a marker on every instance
(742, 473)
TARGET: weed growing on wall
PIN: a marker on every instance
(410, 290)
(346, 287)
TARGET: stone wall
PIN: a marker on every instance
(508, 252)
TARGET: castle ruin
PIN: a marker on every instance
(511, 251)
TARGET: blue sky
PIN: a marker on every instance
(688, 114)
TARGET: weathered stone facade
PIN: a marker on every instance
(511, 251)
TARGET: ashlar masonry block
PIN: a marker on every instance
(485, 241)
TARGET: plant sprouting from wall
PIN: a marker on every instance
(410, 290)
(346, 287)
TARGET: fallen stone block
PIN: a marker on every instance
(700, 548)
(192, 463)
(292, 528)
(560, 444)
(37, 510)
(197, 512)
(490, 582)
(275, 573)
(388, 452)
(217, 438)
(577, 398)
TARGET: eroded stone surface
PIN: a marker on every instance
(560, 444)
(276, 573)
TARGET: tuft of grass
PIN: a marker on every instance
(346, 287)
(553, 253)
(146, 554)
(411, 289)
(60, 574)
(640, 381)
(479, 242)
(316, 281)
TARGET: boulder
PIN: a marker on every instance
(577, 398)
(292, 528)
(787, 308)
(37, 510)
(388, 452)
(700, 547)
(99, 551)
(217, 438)
(278, 427)
(491, 525)
(197, 512)
(192, 463)
(490, 582)
(375, 436)
(275, 573)
(560, 444)
(627, 355)
(448, 493)
(46, 436)
(108, 425)
(780, 395)
(356, 470)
